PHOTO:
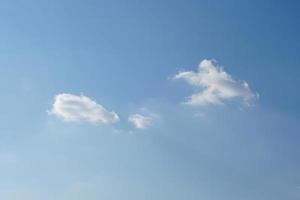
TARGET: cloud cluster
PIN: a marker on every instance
(74, 108)
(140, 121)
(215, 85)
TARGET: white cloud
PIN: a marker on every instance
(74, 108)
(140, 121)
(216, 86)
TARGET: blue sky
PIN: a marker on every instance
(147, 100)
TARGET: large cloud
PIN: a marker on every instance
(81, 108)
(216, 86)
(140, 121)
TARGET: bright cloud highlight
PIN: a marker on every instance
(216, 86)
(74, 108)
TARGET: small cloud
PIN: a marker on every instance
(140, 121)
(216, 86)
(148, 112)
(74, 108)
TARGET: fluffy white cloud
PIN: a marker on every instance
(140, 121)
(216, 86)
(81, 108)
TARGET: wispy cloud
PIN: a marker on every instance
(74, 108)
(139, 121)
(215, 85)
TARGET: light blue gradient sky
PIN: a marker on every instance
(122, 55)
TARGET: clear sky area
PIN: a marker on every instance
(149, 100)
